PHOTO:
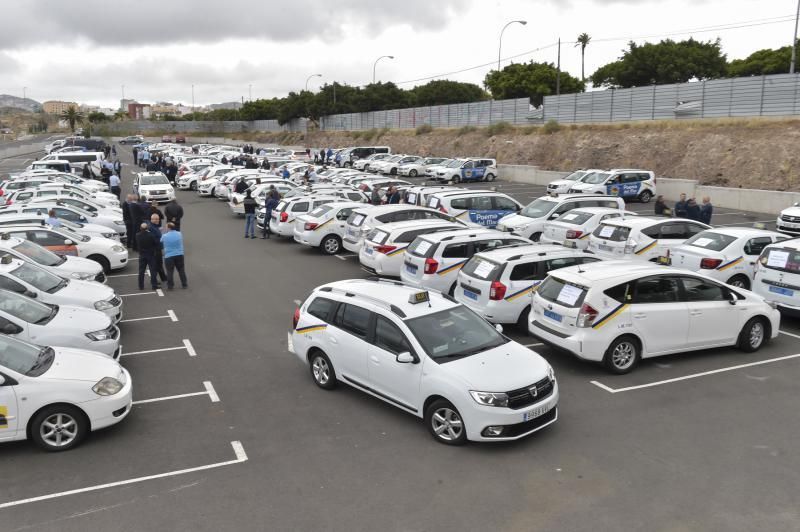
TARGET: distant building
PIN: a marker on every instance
(139, 111)
(56, 107)
(124, 103)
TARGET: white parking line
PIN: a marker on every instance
(238, 451)
(212, 393)
(790, 334)
(298, 302)
(159, 292)
(692, 376)
(124, 275)
(209, 391)
(187, 345)
(533, 345)
(170, 314)
(148, 293)
(746, 223)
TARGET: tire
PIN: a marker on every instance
(193, 186)
(412, 173)
(622, 355)
(58, 428)
(322, 372)
(393, 171)
(452, 291)
(102, 261)
(754, 335)
(739, 281)
(536, 236)
(645, 196)
(489, 177)
(456, 180)
(445, 423)
(522, 321)
(331, 245)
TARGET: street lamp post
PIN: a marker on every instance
(376, 64)
(500, 45)
(312, 76)
(794, 40)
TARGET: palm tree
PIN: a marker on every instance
(120, 115)
(72, 116)
(583, 41)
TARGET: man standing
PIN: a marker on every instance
(680, 207)
(130, 229)
(114, 183)
(147, 244)
(52, 219)
(172, 242)
(135, 155)
(392, 195)
(706, 210)
(158, 259)
(174, 214)
(273, 197)
(250, 215)
(329, 155)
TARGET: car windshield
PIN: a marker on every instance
(24, 358)
(153, 180)
(575, 176)
(25, 308)
(710, 240)
(454, 333)
(455, 163)
(596, 178)
(38, 254)
(41, 279)
(538, 208)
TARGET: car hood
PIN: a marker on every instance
(79, 319)
(507, 367)
(80, 264)
(791, 211)
(563, 182)
(157, 187)
(86, 291)
(581, 186)
(515, 220)
(80, 365)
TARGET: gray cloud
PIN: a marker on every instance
(153, 22)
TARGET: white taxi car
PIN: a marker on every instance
(65, 267)
(323, 227)
(432, 261)
(481, 207)
(529, 222)
(153, 186)
(562, 186)
(417, 168)
(427, 355)
(40, 218)
(497, 284)
(64, 325)
(366, 162)
(384, 246)
(27, 278)
(56, 395)
(111, 221)
(777, 276)
(287, 210)
(618, 312)
(789, 220)
(573, 228)
(727, 254)
(641, 238)
(624, 183)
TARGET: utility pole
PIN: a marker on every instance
(794, 39)
(24, 93)
(334, 95)
(250, 93)
(193, 117)
(558, 69)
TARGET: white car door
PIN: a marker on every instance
(659, 315)
(396, 382)
(349, 346)
(713, 320)
(9, 415)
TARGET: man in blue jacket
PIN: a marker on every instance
(172, 242)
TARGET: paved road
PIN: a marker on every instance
(702, 452)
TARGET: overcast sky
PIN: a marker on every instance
(85, 51)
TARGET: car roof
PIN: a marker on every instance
(505, 254)
(621, 270)
(379, 292)
(465, 192)
(377, 210)
(475, 233)
(743, 232)
(13, 264)
(641, 221)
(562, 197)
(415, 224)
(792, 243)
(595, 210)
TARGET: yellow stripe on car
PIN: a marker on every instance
(731, 264)
(647, 247)
(455, 266)
(610, 316)
(311, 328)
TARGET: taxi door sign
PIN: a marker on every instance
(473, 173)
(624, 190)
(488, 218)
(3, 417)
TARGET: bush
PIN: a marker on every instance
(382, 132)
(551, 127)
(424, 129)
(499, 128)
(466, 129)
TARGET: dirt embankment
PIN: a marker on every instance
(734, 153)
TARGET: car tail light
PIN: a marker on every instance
(586, 316)
(442, 209)
(385, 249)
(284, 216)
(497, 291)
(296, 317)
(574, 234)
(9, 202)
(431, 266)
(710, 264)
(310, 226)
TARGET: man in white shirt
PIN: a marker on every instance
(114, 183)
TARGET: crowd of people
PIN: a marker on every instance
(686, 208)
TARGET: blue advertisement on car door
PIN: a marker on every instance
(472, 174)
(486, 218)
(624, 190)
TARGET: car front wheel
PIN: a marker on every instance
(58, 428)
(622, 355)
(445, 423)
(645, 196)
(753, 336)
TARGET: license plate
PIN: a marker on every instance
(570, 244)
(781, 291)
(353, 233)
(666, 261)
(368, 250)
(553, 315)
(470, 294)
(604, 247)
(536, 412)
(411, 268)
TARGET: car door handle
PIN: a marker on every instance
(375, 360)
(333, 340)
(640, 316)
(695, 313)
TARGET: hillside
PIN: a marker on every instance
(733, 153)
(15, 102)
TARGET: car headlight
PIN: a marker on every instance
(490, 398)
(82, 276)
(107, 386)
(103, 305)
(110, 235)
(99, 336)
(117, 249)
(119, 222)
(551, 374)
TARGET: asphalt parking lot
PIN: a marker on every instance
(231, 433)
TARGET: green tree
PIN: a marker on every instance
(120, 115)
(72, 116)
(583, 42)
(444, 92)
(531, 80)
(665, 62)
(762, 62)
(96, 117)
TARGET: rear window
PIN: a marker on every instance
(377, 236)
(575, 217)
(712, 241)
(356, 219)
(613, 233)
(561, 292)
(785, 260)
(322, 308)
(421, 248)
(482, 268)
(319, 211)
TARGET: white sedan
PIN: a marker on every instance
(56, 395)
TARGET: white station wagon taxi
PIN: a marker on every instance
(618, 312)
(562, 186)
(573, 228)
(427, 355)
(287, 210)
(727, 254)
(323, 227)
(777, 276)
(624, 183)
(529, 222)
(641, 238)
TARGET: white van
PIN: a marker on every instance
(77, 160)
(625, 183)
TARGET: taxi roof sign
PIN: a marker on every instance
(419, 297)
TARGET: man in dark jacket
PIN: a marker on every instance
(273, 197)
(680, 207)
(130, 229)
(138, 210)
(706, 210)
(241, 186)
(158, 260)
(174, 213)
(135, 155)
(249, 215)
(147, 245)
(692, 210)
(392, 195)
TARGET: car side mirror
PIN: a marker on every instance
(406, 358)
(83, 219)
(11, 328)
(553, 216)
(68, 242)
(31, 294)
(732, 298)
(2, 380)
(499, 328)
